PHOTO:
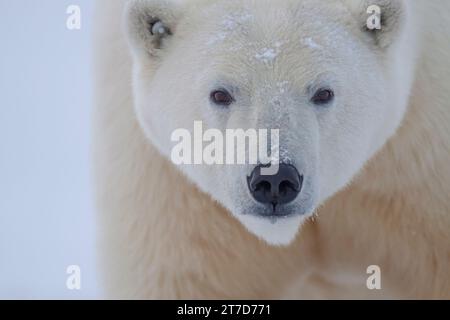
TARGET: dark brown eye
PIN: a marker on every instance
(323, 96)
(222, 97)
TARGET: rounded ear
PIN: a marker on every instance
(149, 24)
(382, 20)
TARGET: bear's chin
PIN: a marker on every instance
(275, 231)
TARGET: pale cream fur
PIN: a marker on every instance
(162, 238)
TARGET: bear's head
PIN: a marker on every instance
(334, 89)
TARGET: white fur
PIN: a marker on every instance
(175, 237)
(329, 145)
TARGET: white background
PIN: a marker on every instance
(46, 214)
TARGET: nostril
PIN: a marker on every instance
(285, 187)
(264, 186)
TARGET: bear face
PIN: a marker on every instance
(310, 69)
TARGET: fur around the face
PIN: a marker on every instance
(161, 237)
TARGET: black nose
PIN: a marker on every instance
(278, 189)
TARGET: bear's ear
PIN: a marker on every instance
(149, 24)
(382, 20)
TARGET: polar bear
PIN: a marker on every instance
(364, 145)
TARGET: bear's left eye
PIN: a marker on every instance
(222, 97)
(323, 96)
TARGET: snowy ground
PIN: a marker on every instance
(46, 214)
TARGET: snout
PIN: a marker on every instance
(275, 190)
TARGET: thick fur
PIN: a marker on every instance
(161, 237)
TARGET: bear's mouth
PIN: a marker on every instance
(273, 212)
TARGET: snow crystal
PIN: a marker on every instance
(267, 55)
(221, 36)
(310, 43)
(284, 157)
(282, 86)
(230, 23)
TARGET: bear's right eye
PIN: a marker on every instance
(222, 97)
(323, 96)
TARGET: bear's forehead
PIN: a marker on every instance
(241, 42)
(265, 33)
